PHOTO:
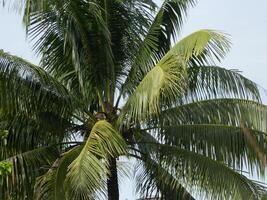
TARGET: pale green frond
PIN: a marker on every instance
(161, 86)
(26, 167)
(200, 47)
(88, 172)
(209, 82)
(157, 41)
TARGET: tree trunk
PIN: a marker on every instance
(113, 185)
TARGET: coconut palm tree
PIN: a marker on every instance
(115, 84)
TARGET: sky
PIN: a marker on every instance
(244, 20)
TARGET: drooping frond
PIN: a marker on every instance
(152, 180)
(157, 41)
(25, 133)
(88, 171)
(26, 167)
(201, 47)
(161, 86)
(34, 107)
(209, 82)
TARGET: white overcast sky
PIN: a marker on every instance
(244, 20)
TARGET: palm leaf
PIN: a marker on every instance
(161, 85)
(209, 177)
(26, 133)
(153, 180)
(157, 41)
(50, 185)
(209, 82)
(29, 89)
(88, 171)
(203, 47)
(66, 41)
(200, 47)
(228, 144)
(26, 167)
(145, 99)
(232, 112)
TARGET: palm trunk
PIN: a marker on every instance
(113, 185)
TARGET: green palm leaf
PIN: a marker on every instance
(29, 89)
(154, 180)
(50, 185)
(209, 82)
(197, 171)
(233, 112)
(26, 167)
(224, 143)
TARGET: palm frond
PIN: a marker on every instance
(26, 167)
(26, 133)
(203, 47)
(211, 178)
(200, 47)
(228, 144)
(153, 180)
(89, 170)
(67, 39)
(51, 184)
(232, 112)
(209, 82)
(157, 41)
(162, 85)
(127, 22)
(26, 88)
(144, 99)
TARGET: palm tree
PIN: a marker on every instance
(115, 84)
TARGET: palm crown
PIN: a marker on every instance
(114, 83)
